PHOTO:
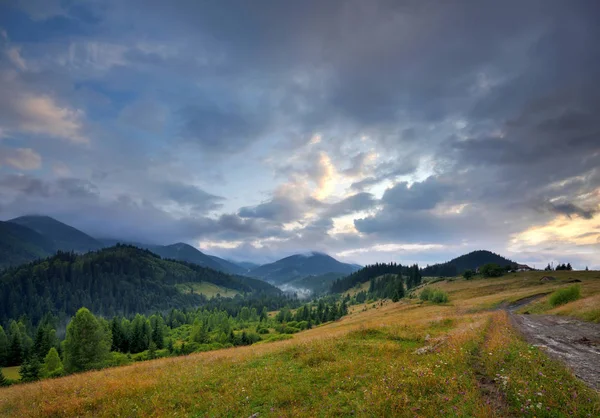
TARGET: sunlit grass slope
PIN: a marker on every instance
(480, 294)
(209, 290)
(385, 359)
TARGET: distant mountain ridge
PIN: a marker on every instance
(299, 266)
(470, 261)
(30, 237)
(63, 237)
(19, 244)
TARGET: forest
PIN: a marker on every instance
(93, 342)
(120, 280)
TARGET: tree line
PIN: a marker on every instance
(120, 280)
(93, 342)
(410, 274)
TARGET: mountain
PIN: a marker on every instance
(470, 261)
(62, 236)
(118, 280)
(299, 266)
(247, 265)
(184, 252)
(19, 244)
(229, 266)
(315, 284)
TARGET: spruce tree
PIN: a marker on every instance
(3, 380)
(31, 369)
(3, 347)
(52, 366)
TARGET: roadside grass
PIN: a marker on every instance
(481, 294)
(566, 295)
(534, 384)
(209, 290)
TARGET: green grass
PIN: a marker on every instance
(11, 373)
(393, 359)
(209, 290)
(562, 296)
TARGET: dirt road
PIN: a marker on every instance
(575, 342)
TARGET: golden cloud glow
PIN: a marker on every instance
(576, 230)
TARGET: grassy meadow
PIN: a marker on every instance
(209, 290)
(11, 373)
(409, 358)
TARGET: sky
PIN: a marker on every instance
(407, 131)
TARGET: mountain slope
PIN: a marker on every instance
(301, 265)
(184, 252)
(62, 236)
(116, 280)
(315, 284)
(19, 244)
(470, 261)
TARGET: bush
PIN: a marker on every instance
(562, 296)
(290, 330)
(426, 294)
(117, 359)
(434, 295)
(439, 296)
(262, 330)
(492, 270)
(468, 274)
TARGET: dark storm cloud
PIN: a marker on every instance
(186, 194)
(569, 209)
(351, 204)
(419, 196)
(494, 104)
(221, 129)
(279, 209)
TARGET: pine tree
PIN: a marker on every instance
(3, 347)
(152, 350)
(15, 348)
(52, 366)
(31, 369)
(3, 380)
(158, 337)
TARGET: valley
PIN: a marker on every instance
(462, 358)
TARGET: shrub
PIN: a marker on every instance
(290, 330)
(439, 296)
(492, 270)
(426, 294)
(262, 330)
(566, 295)
(468, 274)
(433, 295)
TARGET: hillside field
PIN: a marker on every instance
(209, 290)
(409, 358)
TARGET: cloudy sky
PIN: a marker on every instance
(411, 131)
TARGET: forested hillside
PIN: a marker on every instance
(470, 261)
(19, 244)
(367, 273)
(118, 280)
(301, 265)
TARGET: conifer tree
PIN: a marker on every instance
(31, 369)
(52, 366)
(3, 380)
(3, 347)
